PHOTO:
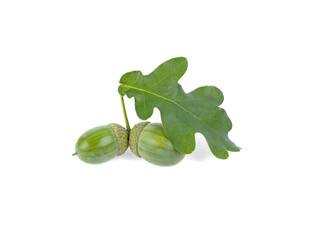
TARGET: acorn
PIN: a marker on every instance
(102, 143)
(149, 141)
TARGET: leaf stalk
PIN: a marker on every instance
(125, 113)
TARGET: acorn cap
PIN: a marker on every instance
(121, 135)
(134, 137)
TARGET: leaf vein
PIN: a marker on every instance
(165, 77)
(157, 95)
(196, 99)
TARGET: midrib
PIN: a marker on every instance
(164, 98)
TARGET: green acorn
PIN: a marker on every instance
(149, 141)
(102, 143)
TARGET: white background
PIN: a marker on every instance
(60, 64)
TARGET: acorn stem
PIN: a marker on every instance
(125, 113)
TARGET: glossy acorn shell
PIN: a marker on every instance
(152, 144)
(102, 143)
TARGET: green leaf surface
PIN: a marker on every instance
(183, 114)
